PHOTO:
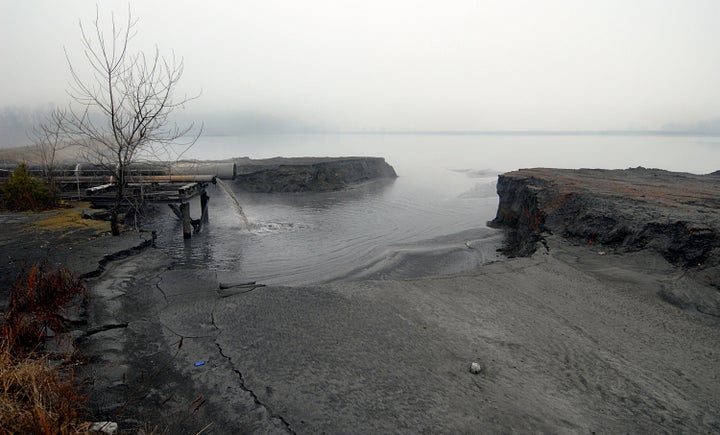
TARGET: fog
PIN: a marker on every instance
(395, 65)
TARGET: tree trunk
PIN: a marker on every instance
(119, 196)
(114, 222)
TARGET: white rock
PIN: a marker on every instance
(475, 368)
(108, 427)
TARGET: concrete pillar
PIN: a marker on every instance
(187, 227)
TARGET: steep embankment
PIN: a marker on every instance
(674, 214)
(309, 174)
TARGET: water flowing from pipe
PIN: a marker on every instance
(236, 202)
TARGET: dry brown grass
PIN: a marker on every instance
(37, 395)
(37, 300)
(69, 221)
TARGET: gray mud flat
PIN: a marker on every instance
(609, 323)
(569, 341)
(144, 373)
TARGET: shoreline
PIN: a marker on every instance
(81, 245)
(575, 337)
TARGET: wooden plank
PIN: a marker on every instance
(176, 210)
(97, 189)
(189, 190)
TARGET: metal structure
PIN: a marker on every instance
(176, 191)
(175, 184)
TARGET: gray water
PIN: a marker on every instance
(429, 220)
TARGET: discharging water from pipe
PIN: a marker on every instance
(236, 202)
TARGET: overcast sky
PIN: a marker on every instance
(402, 65)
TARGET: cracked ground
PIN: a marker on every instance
(562, 346)
(144, 371)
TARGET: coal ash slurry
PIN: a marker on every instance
(235, 202)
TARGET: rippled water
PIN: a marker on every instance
(431, 219)
(296, 239)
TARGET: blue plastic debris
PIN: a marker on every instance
(200, 363)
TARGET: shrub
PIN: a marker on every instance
(36, 301)
(37, 395)
(22, 191)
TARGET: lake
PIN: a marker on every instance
(432, 219)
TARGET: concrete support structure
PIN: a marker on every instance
(204, 198)
(187, 227)
(177, 197)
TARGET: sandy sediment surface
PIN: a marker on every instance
(568, 341)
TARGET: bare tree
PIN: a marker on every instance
(124, 104)
(48, 139)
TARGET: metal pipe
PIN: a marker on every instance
(171, 178)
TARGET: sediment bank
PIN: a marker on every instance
(308, 174)
(278, 174)
(676, 215)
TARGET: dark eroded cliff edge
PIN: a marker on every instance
(674, 214)
(309, 174)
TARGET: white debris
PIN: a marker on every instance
(475, 368)
(107, 427)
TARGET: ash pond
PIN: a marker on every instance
(389, 228)
(432, 219)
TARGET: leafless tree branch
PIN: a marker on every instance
(123, 108)
(49, 139)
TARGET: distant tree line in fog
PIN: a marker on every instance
(16, 124)
(708, 126)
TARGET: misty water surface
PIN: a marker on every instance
(444, 196)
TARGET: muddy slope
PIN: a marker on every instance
(309, 174)
(675, 214)
(617, 211)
